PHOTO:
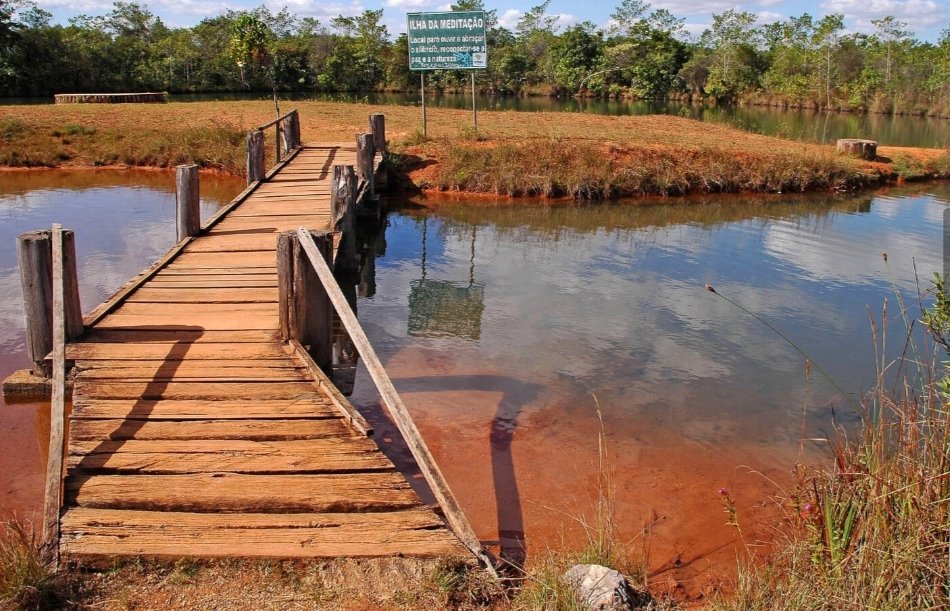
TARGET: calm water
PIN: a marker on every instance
(506, 326)
(124, 221)
(794, 124)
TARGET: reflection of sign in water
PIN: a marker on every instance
(447, 41)
(439, 308)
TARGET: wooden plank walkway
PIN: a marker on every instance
(197, 431)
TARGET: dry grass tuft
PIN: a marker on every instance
(27, 579)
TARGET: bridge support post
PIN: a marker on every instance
(343, 213)
(305, 314)
(365, 153)
(255, 156)
(35, 254)
(377, 125)
(187, 198)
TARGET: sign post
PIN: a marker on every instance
(447, 41)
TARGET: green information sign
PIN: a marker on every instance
(447, 41)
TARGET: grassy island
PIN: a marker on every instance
(550, 155)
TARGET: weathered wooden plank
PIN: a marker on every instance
(411, 532)
(302, 391)
(183, 364)
(85, 407)
(206, 279)
(131, 353)
(248, 317)
(229, 492)
(241, 260)
(184, 336)
(255, 241)
(174, 270)
(253, 430)
(320, 455)
(175, 371)
(198, 295)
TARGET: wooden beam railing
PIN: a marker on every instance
(54, 467)
(304, 241)
(286, 140)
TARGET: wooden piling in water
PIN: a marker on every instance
(35, 255)
(187, 200)
(255, 156)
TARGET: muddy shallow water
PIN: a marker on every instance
(505, 327)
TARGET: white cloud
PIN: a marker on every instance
(770, 2)
(917, 14)
(509, 19)
(765, 17)
(565, 20)
(696, 7)
(320, 10)
(413, 4)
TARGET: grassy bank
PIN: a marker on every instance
(513, 153)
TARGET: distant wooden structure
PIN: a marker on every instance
(112, 98)
(205, 422)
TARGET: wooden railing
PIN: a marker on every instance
(308, 295)
(286, 139)
(54, 466)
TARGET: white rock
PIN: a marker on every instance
(601, 589)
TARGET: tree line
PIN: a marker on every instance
(643, 53)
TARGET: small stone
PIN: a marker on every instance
(601, 589)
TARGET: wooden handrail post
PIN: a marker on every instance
(377, 125)
(277, 130)
(365, 154)
(296, 128)
(53, 499)
(285, 286)
(255, 156)
(35, 254)
(343, 213)
(397, 409)
(187, 200)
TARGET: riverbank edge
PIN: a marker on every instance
(421, 173)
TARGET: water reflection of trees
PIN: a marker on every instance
(549, 221)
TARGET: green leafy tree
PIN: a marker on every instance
(731, 41)
(576, 54)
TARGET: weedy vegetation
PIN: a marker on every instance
(28, 582)
(870, 530)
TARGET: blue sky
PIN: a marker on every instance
(926, 18)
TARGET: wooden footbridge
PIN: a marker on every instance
(205, 421)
